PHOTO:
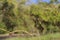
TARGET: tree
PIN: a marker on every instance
(54, 1)
(8, 16)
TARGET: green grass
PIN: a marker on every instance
(44, 37)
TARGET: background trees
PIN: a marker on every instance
(35, 18)
(9, 18)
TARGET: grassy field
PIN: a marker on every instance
(55, 36)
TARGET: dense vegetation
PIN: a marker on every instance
(38, 18)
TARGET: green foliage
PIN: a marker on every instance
(8, 16)
(42, 17)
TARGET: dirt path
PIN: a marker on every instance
(3, 38)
